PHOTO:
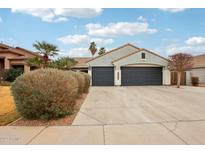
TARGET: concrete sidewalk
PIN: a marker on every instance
(144, 133)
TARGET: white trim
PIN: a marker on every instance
(90, 73)
(142, 65)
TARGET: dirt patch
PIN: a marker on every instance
(67, 120)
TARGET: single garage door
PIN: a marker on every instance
(133, 76)
(102, 76)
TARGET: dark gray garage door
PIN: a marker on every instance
(133, 76)
(102, 76)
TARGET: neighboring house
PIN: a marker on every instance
(14, 57)
(198, 70)
(129, 65)
(81, 64)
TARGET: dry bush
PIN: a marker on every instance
(45, 94)
(87, 82)
(81, 82)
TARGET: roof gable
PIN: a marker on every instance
(135, 58)
(17, 50)
(199, 61)
(113, 50)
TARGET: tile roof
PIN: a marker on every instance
(17, 50)
(199, 61)
(81, 62)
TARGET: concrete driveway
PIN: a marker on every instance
(126, 115)
(146, 114)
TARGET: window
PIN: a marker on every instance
(143, 55)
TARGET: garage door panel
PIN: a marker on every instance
(103, 76)
(132, 76)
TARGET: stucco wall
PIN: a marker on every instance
(199, 72)
(136, 59)
(188, 78)
(117, 76)
(90, 73)
(6, 60)
(8, 63)
(166, 76)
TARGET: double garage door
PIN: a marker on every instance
(130, 76)
(134, 76)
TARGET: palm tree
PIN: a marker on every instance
(47, 50)
(34, 61)
(101, 51)
(93, 48)
(62, 63)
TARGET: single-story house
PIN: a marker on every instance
(128, 65)
(81, 64)
(14, 57)
(198, 70)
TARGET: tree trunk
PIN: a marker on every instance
(45, 61)
(178, 79)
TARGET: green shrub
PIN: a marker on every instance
(195, 81)
(5, 83)
(45, 94)
(62, 63)
(11, 74)
(87, 82)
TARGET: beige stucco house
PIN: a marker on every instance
(129, 65)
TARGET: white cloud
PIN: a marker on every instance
(119, 29)
(77, 39)
(74, 39)
(173, 10)
(141, 18)
(192, 45)
(102, 42)
(60, 19)
(78, 13)
(176, 48)
(58, 15)
(196, 41)
(168, 29)
(79, 52)
(45, 14)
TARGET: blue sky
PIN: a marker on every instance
(165, 31)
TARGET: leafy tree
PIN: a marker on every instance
(180, 62)
(47, 50)
(34, 61)
(62, 63)
(101, 51)
(93, 48)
